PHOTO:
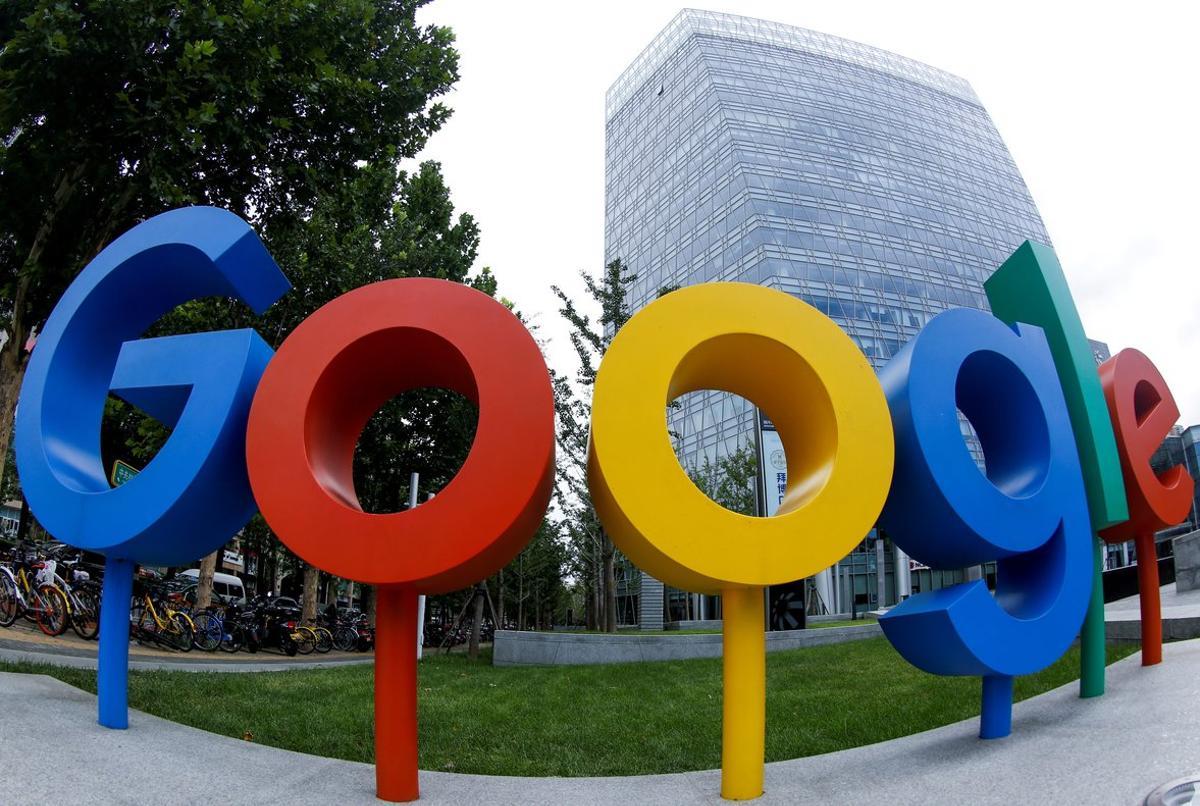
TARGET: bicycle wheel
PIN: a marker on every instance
(306, 640)
(208, 632)
(146, 627)
(345, 639)
(231, 639)
(10, 602)
(324, 639)
(85, 616)
(181, 632)
(52, 611)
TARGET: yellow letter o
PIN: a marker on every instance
(810, 379)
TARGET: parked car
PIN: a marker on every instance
(228, 587)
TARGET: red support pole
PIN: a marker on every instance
(1148, 595)
(396, 694)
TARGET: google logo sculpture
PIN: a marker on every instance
(1067, 453)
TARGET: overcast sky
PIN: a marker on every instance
(1098, 110)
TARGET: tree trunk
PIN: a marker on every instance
(266, 564)
(350, 593)
(371, 595)
(476, 624)
(204, 585)
(13, 360)
(521, 600)
(610, 586)
(589, 606)
(500, 604)
(308, 602)
(598, 589)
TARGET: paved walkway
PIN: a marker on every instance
(1110, 750)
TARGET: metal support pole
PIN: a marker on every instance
(395, 695)
(413, 480)
(903, 581)
(1148, 595)
(995, 719)
(112, 664)
(837, 587)
(880, 574)
(1091, 636)
(744, 710)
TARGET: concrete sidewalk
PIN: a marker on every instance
(1110, 750)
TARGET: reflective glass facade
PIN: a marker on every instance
(1191, 462)
(871, 186)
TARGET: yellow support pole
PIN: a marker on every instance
(744, 707)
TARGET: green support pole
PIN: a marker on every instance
(1091, 637)
(1030, 287)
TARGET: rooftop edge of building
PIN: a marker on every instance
(690, 21)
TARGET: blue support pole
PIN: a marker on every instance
(112, 669)
(995, 720)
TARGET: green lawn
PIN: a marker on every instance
(578, 720)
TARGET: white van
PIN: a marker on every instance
(227, 586)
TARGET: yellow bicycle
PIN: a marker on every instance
(312, 636)
(172, 628)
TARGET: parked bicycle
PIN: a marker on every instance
(82, 592)
(155, 618)
(27, 589)
(351, 631)
(213, 627)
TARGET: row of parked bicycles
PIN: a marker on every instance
(53, 588)
(164, 616)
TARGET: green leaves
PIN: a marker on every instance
(294, 114)
(205, 113)
(262, 106)
(199, 49)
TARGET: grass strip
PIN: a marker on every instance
(623, 719)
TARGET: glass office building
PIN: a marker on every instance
(1191, 462)
(873, 187)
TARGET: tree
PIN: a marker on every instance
(595, 553)
(114, 110)
(731, 481)
(534, 581)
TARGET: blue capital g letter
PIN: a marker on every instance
(195, 494)
(1028, 510)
